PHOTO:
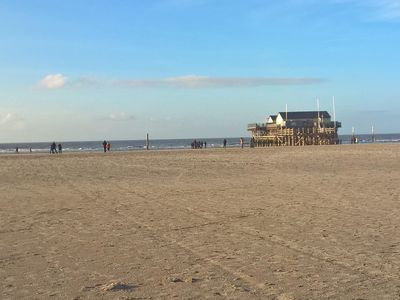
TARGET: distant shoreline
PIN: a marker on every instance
(174, 150)
(344, 137)
(170, 144)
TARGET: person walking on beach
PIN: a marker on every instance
(59, 148)
(105, 145)
(53, 148)
(108, 146)
(241, 142)
(224, 143)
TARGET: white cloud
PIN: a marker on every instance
(53, 81)
(194, 81)
(121, 116)
(11, 121)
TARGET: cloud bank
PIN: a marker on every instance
(193, 81)
(190, 81)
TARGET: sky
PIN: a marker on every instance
(97, 69)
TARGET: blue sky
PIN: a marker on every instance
(95, 69)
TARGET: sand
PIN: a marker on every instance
(276, 223)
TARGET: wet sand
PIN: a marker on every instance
(276, 223)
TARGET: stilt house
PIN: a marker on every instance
(296, 128)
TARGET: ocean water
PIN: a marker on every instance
(132, 145)
(368, 138)
(125, 145)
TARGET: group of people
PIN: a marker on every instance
(203, 144)
(54, 147)
(106, 146)
(198, 144)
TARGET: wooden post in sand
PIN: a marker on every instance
(147, 142)
(373, 134)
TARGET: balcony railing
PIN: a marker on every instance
(256, 126)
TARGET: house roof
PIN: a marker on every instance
(273, 117)
(293, 115)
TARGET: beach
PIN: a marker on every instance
(281, 223)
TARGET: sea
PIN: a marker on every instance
(167, 144)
